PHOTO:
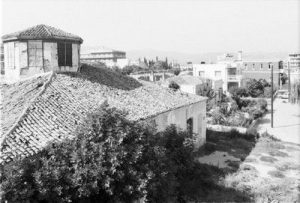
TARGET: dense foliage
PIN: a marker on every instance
(110, 159)
(254, 88)
(173, 85)
(237, 112)
(127, 70)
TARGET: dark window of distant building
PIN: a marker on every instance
(189, 126)
(261, 66)
(64, 52)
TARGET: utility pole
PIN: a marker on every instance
(271, 94)
(289, 78)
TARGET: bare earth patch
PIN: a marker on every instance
(270, 171)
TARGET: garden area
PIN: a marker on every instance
(235, 111)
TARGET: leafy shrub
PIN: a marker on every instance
(251, 134)
(173, 85)
(110, 159)
(239, 91)
(263, 104)
(102, 162)
(256, 113)
(176, 71)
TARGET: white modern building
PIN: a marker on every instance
(223, 75)
(293, 65)
(109, 57)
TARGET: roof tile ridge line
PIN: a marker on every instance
(47, 30)
(171, 109)
(24, 112)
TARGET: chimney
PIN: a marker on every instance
(240, 56)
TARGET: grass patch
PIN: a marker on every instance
(278, 153)
(276, 174)
(268, 159)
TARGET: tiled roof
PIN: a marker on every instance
(42, 32)
(67, 99)
(16, 97)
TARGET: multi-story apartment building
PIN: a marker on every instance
(292, 66)
(262, 70)
(107, 56)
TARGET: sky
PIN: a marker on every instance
(171, 25)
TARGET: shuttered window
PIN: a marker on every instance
(64, 51)
(35, 53)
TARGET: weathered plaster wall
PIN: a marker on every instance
(180, 116)
(24, 59)
(188, 88)
(50, 56)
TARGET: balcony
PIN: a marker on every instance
(234, 77)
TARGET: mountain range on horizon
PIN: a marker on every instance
(183, 58)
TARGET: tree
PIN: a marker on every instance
(255, 88)
(146, 62)
(101, 163)
(176, 71)
(173, 85)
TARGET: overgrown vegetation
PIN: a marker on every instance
(237, 112)
(112, 159)
(173, 85)
(253, 88)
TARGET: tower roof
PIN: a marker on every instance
(41, 32)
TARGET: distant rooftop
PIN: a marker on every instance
(186, 80)
(100, 49)
(41, 32)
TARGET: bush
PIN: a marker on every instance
(110, 159)
(173, 85)
(176, 71)
(102, 162)
(239, 91)
(256, 113)
(251, 134)
(263, 104)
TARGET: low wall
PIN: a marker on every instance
(223, 128)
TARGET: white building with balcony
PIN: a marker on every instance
(223, 75)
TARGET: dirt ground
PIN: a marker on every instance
(267, 170)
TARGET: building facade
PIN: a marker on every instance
(107, 56)
(293, 68)
(40, 49)
(190, 84)
(262, 70)
(222, 75)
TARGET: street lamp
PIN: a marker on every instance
(272, 98)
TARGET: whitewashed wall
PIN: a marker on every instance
(180, 116)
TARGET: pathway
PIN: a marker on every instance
(286, 122)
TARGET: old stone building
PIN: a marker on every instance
(40, 49)
(51, 106)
